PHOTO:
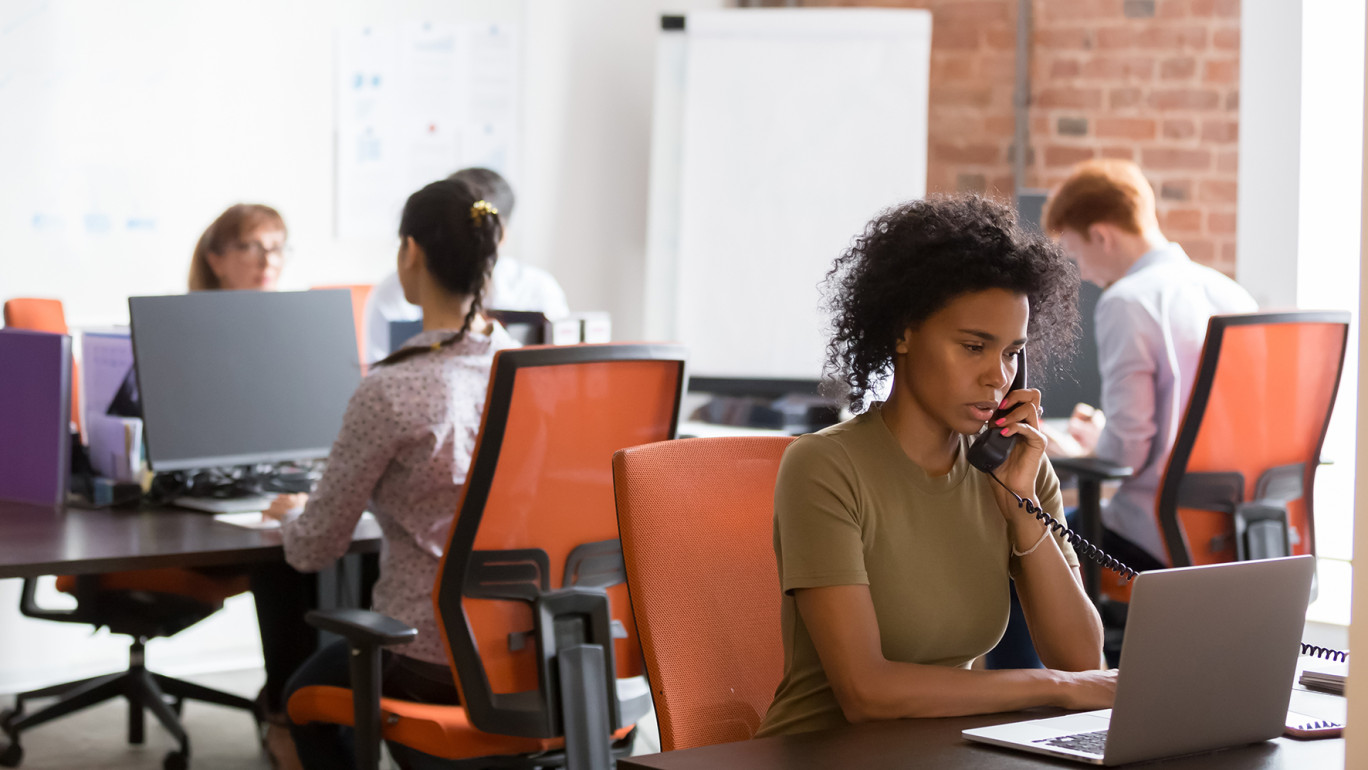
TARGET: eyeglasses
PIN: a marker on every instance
(258, 250)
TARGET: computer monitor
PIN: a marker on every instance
(528, 327)
(243, 377)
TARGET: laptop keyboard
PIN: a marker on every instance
(1088, 743)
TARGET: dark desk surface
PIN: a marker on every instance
(936, 743)
(43, 540)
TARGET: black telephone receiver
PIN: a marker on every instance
(990, 448)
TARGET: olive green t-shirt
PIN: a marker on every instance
(850, 508)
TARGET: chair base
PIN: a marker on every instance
(144, 691)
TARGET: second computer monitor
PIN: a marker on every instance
(243, 377)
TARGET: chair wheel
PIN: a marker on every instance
(12, 755)
(176, 761)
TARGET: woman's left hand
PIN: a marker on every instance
(1023, 462)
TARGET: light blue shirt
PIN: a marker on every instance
(1150, 328)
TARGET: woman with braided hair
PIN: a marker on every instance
(403, 451)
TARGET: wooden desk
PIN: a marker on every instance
(43, 540)
(936, 743)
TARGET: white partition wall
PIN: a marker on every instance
(779, 133)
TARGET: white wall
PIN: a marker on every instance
(587, 99)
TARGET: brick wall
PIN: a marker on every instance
(1155, 81)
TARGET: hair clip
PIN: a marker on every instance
(479, 210)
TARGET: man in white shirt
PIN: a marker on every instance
(1151, 322)
(513, 286)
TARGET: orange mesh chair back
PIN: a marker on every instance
(360, 292)
(1239, 480)
(530, 595)
(45, 315)
(697, 535)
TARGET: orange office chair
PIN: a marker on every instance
(143, 604)
(1238, 482)
(530, 594)
(45, 315)
(697, 522)
(360, 292)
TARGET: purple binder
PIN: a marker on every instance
(35, 416)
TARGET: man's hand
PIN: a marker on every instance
(1085, 425)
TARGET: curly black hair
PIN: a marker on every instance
(914, 258)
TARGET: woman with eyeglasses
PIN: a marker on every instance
(243, 249)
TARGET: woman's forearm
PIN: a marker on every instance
(1064, 625)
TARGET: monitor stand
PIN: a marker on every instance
(246, 503)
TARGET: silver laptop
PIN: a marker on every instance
(1208, 662)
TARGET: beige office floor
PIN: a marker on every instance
(220, 738)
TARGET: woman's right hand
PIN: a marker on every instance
(1086, 690)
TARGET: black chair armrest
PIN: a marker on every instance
(362, 628)
(366, 632)
(1092, 468)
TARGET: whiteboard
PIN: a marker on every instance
(127, 127)
(778, 134)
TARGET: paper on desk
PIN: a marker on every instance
(248, 520)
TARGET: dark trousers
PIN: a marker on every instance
(282, 596)
(1015, 650)
(327, 747)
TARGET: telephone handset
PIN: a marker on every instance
(990, 448)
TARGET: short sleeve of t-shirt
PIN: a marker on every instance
(816, 520)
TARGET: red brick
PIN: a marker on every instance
(1217, 191)
(1064, 68)
(1181, 128)
(1222, 71)
(999, 125)
(956, 124)
(1001, 184)
(951, 67)
(1121, 98)
(1122, 153)
(1184, 99)
(1228, 162)
(1175, 190)
(1232, 101)
(1117, 37)
(1172, 39)
(1070, 10)
(1182, 221)
(1171, 9)
(1227, 8)
(998, 67)
(961, 36)
(1069, 98)
(1057, 155)
(1221, 222)
(1201, 251)
(976, 11)
(1119, 68)
(1160, 158)
(1178, 67)
(982, 154)
(1220, 131)
(1000, 38)
(961, 96)
(1226, 39)
(1136, 129)
(1063, 39)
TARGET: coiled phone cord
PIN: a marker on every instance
(1080, 545)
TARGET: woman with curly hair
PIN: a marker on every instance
(895, 556)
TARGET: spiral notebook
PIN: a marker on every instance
(1208, 662)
